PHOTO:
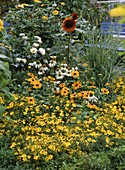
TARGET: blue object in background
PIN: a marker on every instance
(7, 26)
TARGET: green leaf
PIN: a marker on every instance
(6, 91)
(3, 66)
(122, 20)
(5, 51)
(2, 109)
(5, 58)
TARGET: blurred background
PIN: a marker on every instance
(5, 4)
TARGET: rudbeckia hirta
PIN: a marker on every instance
(104, 91)
(31, 80)
(73, 96)
(31, 100)
(37, 85)
(64, 91)
(1, 24)
(76, 85)
(75, 74)
(91, 106)
(62, 85)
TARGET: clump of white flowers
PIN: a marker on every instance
(21, 60)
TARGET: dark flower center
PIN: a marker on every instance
(69, 24)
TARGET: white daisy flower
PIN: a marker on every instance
(59, 75)
(39, 41)
(53, 57)
(40, 72)
(18, 59)
(25, 38)
(56, 83)
(44, 68)
(74, 68)
(24, 60)
(21, 34)
(42, 51)
(37, 37)
(68, 73)
(33, 50)
(35, 44)
(64, 65)
(92, 98)
(52, 63)
(38, 65)
(21, 59)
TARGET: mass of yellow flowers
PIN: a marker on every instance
(117, 12)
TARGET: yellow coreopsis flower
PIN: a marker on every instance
(55, 12)
(49, 157)
(117, 12)
(1, 24)
(63, 3)
(45, 18)
(38, 1)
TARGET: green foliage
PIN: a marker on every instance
(5, 75)
(101, 55)
(5, 4)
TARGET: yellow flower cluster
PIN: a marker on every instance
(40, 131)
(117, 12)
(34, 81)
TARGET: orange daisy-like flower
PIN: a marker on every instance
(30, 74)
(62, 85)
(75, 74)
(104, 91)
(64, 91)
(31, 80)
(31, 100)
(73, 96)
(69, 25)
(37, 85)
(85, 94)
(80, 94)
(91, 106)
(90, 93)
(76, 85)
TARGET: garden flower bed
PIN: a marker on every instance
(62, 105)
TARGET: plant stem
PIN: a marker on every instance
(68, 56)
